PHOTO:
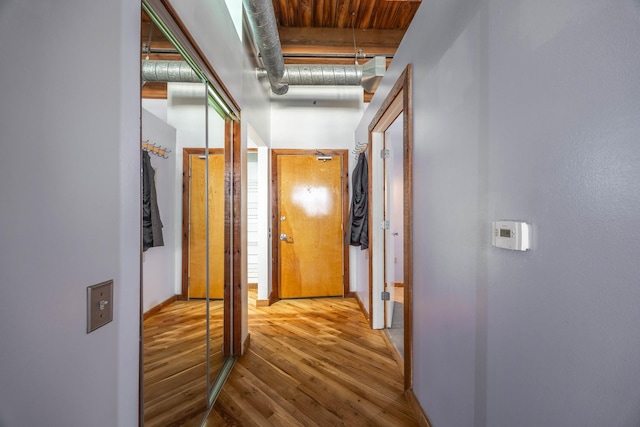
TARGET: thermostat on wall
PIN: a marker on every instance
(513, 235)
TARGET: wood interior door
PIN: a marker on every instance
(310, 232)
(197, 230)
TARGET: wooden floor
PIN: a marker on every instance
(313, 362)
(175, 362)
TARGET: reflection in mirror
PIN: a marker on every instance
(216, 238)
(394, 236)
(182, 301)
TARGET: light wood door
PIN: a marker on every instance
(310, 226)
(197, 227)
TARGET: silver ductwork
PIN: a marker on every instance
(372, 73)
(265, 32)
(321, 75)
(168, 71)
(368, 75)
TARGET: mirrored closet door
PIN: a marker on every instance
(184, 133)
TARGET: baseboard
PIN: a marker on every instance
(364, 312)
(157, 308)
(350, 295)
(252, 286)
(266, 302)
(398, 284)
(246, 344)
(272, 298)
(423, 420)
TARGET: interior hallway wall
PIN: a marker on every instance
(529, 111)
(159, 263)
(307, 118)
(70, 211)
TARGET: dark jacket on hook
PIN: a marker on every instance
(151, 223)
(358, 226)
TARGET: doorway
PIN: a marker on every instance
(309, 214)
(391, 187)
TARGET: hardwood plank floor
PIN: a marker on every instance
(175, 365)
(313, 362)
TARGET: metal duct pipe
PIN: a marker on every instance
(332, 75)
(265, 31)
(368, 75)
(168, 71)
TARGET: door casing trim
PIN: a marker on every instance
(398, 101)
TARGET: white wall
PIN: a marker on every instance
(312, 117)
(157, 107)
(525, 110)
(69, 217)
(159, 263)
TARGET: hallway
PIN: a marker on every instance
(313, 362)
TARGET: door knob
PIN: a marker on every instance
(286, 238)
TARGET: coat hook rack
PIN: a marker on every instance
(156, 149)
(359, 149)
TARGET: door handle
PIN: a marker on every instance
(286, 238)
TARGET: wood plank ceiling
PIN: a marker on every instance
(318, 32)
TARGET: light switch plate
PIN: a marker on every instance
(99, 305)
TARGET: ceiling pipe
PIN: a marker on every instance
(265, 32)
(168, 71)
(368, 75)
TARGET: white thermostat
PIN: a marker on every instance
(514, 235)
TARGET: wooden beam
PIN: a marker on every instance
(162, 57)
(339, 40)
(329, 60)
(154, 90)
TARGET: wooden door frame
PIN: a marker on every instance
(401, 92)
(275, 223)
(186, 209)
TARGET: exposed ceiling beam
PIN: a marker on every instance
(339, 40)
(154, 90)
